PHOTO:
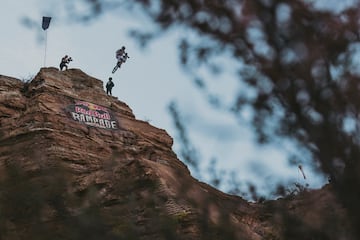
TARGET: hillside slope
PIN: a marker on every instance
(75, 163)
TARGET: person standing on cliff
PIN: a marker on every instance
(109, 85)
(64, 61)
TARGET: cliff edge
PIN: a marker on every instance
(75, 163)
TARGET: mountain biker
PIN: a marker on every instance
(121, 56)
(120, 53)
(124, 58)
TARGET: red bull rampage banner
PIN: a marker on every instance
(92, 115)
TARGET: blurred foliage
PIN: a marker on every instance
(300, 62)
(39, 206)
(48, 204)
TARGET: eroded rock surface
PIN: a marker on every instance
(119, 178)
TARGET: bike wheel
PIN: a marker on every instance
(115, 68)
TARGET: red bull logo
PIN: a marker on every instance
(92, 115)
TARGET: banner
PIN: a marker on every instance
(92, 115)
(46, 22)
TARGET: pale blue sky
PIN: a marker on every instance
(147, 82)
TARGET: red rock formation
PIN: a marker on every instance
(64, 179)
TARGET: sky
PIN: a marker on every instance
(147, 82)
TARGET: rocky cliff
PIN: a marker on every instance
(75, 163)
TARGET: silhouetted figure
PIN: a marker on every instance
(109, 85)
(64, 62)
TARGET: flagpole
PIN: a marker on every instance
(45, 48)
(45, 25)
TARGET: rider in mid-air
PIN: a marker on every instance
(120, 53)
(121, 57)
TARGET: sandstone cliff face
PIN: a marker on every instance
(75, 163)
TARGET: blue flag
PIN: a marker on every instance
(46, 22)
